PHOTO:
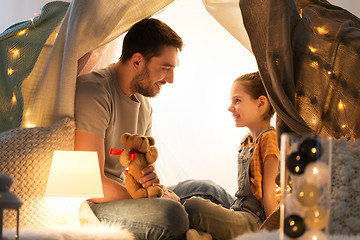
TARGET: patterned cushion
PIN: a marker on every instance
(25, 155)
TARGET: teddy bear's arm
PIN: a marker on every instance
(151, 155)
(125, 157)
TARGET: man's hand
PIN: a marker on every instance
(149, 177)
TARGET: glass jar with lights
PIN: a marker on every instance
(305, 178)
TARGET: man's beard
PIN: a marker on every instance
(141, 84)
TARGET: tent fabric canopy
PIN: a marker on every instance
(308, 60)
(310, 76)
(51, 83)
(21, 46)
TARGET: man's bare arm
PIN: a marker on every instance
(112, 190)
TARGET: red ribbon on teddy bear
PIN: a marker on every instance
(132, 153)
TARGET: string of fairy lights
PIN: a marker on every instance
(14, 54)
(17, 54)
(307, 176)
(342, 116)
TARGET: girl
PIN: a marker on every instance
(257, 166)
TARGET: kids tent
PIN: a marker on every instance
(306, 51)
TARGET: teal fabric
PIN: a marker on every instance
(29, 44)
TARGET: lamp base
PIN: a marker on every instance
(68, 208)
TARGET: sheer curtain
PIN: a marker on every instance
(195, 132)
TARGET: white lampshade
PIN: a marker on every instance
(74, 174)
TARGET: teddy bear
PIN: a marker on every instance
(139, 152)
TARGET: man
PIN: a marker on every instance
(112, 101)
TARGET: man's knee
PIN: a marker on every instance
(154, 218)
(174, 219)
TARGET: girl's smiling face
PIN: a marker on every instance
(244, 108)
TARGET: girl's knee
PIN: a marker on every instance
(196, 207)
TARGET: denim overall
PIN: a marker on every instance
(246, 201)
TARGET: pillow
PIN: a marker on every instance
(26, 155)
(345, 184)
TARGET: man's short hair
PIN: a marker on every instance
(148, 37)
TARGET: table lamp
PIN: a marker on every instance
(74, 177)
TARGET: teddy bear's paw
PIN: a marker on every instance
(153, 151)
(152, 155)
(154, 191)
(140, 193)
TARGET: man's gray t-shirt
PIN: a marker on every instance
(102, 109)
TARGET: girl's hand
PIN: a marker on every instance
(167, 193)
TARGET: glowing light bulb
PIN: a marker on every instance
(314, 121)
(316, 217)
(341, 105)
(314, 64)
(10, 71)
(343, 126)
(314, 235)
(13, 99)
(14, 52)
(322, 30)
(300, 12)
(317, 173)
(29, 125)
(22, 32)
(313, 50)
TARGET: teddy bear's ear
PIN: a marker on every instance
(124, 138)
(151, 140)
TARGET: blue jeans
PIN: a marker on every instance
(160, 218)
(206, 189)
(146, 218)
